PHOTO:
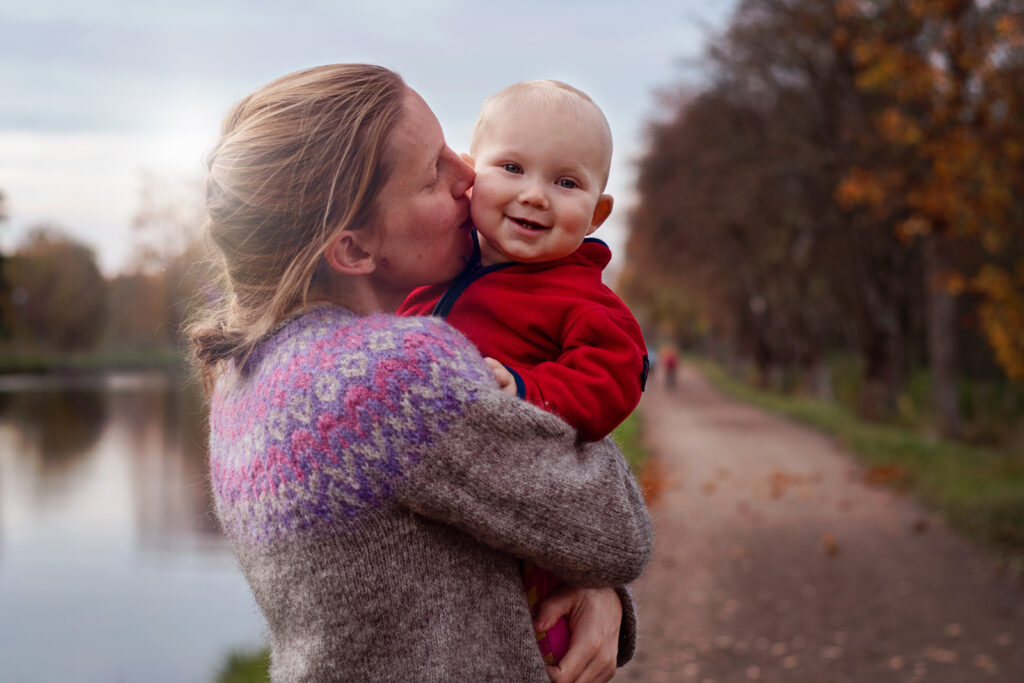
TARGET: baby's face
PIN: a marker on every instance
(539, 178)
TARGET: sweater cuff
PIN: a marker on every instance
(520, 384)
(627, 631)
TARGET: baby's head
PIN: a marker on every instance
(542, 151)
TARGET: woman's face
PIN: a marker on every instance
(422, 222)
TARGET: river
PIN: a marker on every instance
(112, 566)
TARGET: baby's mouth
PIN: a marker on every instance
(529, 225)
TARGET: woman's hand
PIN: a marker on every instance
(595, 615)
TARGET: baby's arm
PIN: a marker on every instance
(597, 380)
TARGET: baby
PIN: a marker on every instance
(532, 299)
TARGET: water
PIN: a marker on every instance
(112, 567)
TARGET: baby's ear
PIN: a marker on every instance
(601, 212)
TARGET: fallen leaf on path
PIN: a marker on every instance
(888, 475)
(780, 481)
(919, 526)
(753, 672)
(896, 663)
(831, 652)
(937, 654)
(1004, 639)
(987, 664)
(829, 544)
(954, 630)
(653, 481)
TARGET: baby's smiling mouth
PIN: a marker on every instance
(529, 225)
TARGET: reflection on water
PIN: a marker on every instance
(112, 566)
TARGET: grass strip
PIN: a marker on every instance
(245, 667)
(629, 438)
(97, 361)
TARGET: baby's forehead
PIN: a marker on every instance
(570, 116)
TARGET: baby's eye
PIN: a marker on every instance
(512, 168)
(567, 183)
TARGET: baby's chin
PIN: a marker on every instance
(491, 254)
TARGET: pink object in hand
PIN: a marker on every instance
(539, 584)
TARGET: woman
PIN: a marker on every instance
(377, 486)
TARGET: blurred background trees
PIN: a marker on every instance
(58, 302)
(58, 295)
(848, 184)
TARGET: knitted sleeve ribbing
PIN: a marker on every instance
(519, 479)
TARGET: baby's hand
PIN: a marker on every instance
(506, 382)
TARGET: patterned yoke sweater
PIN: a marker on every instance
(379, 489)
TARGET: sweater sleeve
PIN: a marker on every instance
(628, 628)
(518, 479)
(596, 381)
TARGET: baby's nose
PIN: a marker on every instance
(534, 195)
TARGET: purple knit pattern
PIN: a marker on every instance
(333, 411)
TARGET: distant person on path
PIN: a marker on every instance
(377, 485)
(670, 362)
(532, 297)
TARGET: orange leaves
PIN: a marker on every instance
(1002, 315)
(898, 128)
(860, 187)
(653, 481)
(1011, 29)
(912, 228)
(870, 189)
(888, 475)
(829, 544)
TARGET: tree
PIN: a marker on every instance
(946, 161)
(5, 289)
(150, 302)
(57, 291)
(850, 164)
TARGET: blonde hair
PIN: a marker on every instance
(298, 160)
(556, 94)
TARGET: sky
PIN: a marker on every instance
(95, 95)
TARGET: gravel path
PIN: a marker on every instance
(774, 561)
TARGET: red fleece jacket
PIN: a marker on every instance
(573, 345)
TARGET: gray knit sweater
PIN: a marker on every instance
(378, 490)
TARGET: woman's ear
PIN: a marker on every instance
(349, 255)
(601, 212)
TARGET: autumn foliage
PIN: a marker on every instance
(850, 178)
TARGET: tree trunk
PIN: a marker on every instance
(942, 335)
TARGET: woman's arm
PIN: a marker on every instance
(518, 478)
